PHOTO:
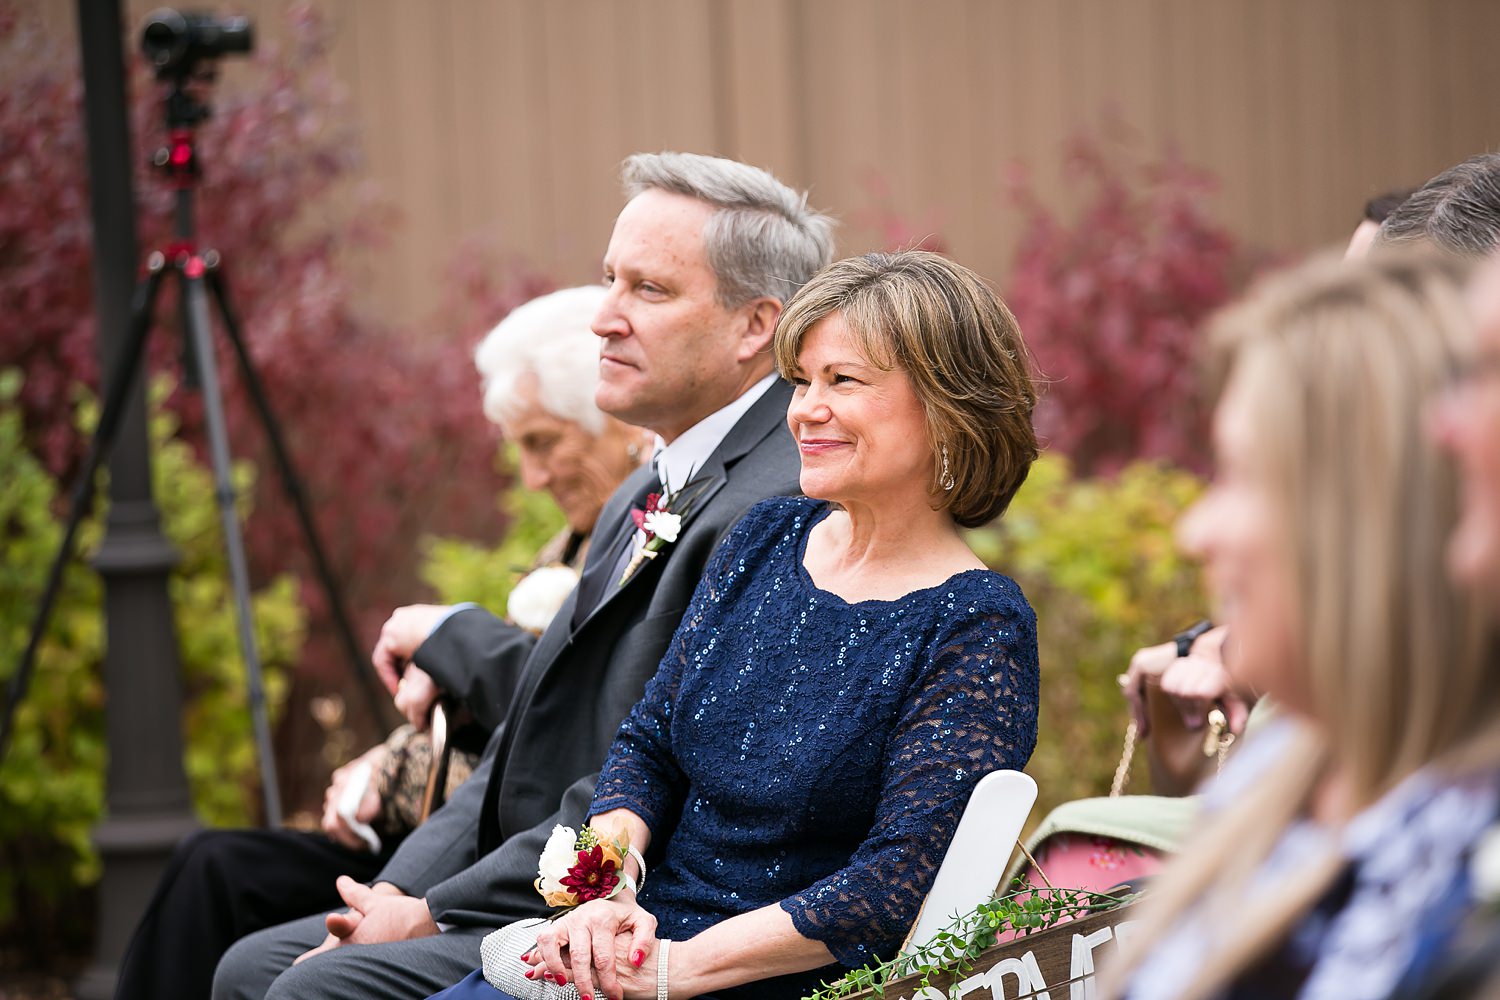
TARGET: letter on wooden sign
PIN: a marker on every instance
(1082, 970)
(1028, 975)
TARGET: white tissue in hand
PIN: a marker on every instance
(348, 805)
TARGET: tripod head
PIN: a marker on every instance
(184, 50)
(176, 42)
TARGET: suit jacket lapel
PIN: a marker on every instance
(708, 482)
(594, 583)
(764, 416)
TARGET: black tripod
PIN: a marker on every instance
(199, 275)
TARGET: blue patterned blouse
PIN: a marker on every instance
(795, 749)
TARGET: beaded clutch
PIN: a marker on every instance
(500, 958)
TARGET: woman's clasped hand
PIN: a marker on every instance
(605, 947)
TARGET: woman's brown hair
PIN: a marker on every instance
(941, 325)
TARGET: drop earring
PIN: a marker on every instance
(946, 479)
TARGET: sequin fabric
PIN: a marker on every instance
(796, 749)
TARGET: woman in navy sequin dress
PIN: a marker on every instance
(847, 670)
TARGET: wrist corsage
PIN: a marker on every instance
(589, 864)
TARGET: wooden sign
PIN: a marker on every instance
(1054, 964)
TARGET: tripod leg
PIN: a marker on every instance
(121, 381)
(364, 673)
(218, 443)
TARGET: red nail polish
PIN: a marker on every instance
(561, 981)
(547, 976)
(530, 973)
(638, 957)
(526, 957)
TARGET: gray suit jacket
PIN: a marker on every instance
(475, 859)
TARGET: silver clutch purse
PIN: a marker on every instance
(500, 959)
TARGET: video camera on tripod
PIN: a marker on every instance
(181, 47)
(175, 42)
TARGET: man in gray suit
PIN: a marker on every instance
(702, 259)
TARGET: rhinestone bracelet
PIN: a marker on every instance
(661, 969)
(640, 881)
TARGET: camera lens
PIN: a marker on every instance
(174, 41)
(164, 39)
(217, 36)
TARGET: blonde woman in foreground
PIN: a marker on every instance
(1336, 860)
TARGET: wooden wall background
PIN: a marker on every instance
(508, 118)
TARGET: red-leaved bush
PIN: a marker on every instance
(385, 427)
(1112, 304)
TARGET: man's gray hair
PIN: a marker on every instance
(550, 339)
(1457, 212)
(763, 240)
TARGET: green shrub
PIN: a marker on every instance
(52, 776)
(51, 779)
(1097, 560)
(463, 571)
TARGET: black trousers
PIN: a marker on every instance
(221, 885)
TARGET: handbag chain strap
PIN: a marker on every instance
(1217, 739)
(1122, 770)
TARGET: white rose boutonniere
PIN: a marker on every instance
(663, 524)
(660, 523)
(536, 598)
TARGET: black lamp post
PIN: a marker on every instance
(148, 806)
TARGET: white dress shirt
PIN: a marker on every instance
(678, 462)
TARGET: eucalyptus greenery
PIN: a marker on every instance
(953, 952)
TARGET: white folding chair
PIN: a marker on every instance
(978, 854)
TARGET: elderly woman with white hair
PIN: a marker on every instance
(539, 366)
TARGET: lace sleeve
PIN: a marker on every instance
(972, 711)
(641, 773)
